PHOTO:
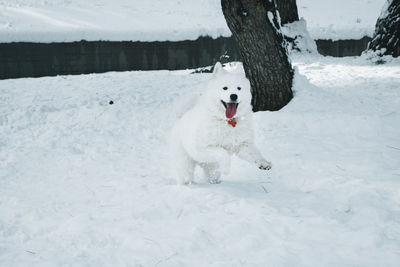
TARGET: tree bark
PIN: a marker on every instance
(255, 28)
(287, 11)
(387, 31)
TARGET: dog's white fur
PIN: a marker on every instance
(203, 137)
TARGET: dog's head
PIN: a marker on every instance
(228, 93)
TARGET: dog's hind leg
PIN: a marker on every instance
(211, 173)
(184, 166)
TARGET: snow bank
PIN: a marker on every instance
(86, 183)
(302, 41)
(157, 20)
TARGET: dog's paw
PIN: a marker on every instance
(214, 181)
(214, 177)
(265, 165)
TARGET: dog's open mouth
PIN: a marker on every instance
(231, 108)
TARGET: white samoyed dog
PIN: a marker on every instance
(216, 127)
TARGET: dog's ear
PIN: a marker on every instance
(218, 68)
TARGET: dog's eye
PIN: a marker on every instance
(225, 88)
(239, 88)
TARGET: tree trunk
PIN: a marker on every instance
(255, 28)
(387, 31)
(287, 11)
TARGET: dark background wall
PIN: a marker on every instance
(49, 59)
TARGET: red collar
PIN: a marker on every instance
(232, 122)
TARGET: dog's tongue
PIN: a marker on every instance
(230, 110)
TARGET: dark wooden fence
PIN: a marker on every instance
(49, 59)
(342, 48)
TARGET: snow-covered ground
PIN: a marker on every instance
(157, 20)
(86, 183)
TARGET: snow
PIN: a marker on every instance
(156, 20)
(118, 20)
(385, 9)
(86, 183)
(340, 19)
(297, 30)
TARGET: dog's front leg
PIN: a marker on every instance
(218, 155)
(251, 154)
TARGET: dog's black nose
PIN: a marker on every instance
(233, 97)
